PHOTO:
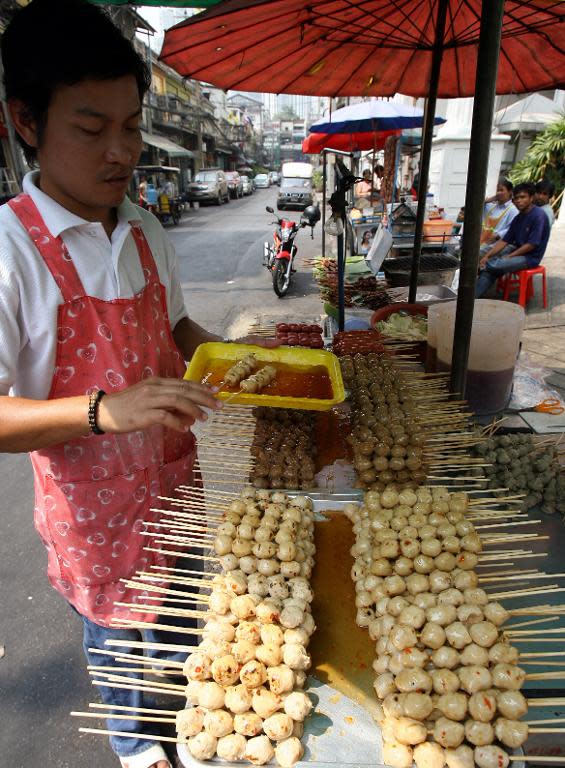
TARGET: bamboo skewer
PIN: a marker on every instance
(156, 672)
(142, 688)
(164, 610)
(183, 554)
(128, 734)
(130, 624)
(138, 718)
(203, 599)
(123, 708)
(145, 645)
(148, 661)
(166, 687)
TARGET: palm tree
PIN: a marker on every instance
(545, 158)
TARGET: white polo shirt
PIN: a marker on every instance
(29, 297)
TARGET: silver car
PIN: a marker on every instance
(247, 185)
(210, 184)
(262, 181)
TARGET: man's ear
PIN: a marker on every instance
(23, 122)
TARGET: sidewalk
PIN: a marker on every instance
(544, 336)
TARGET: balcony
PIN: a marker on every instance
(171, 111)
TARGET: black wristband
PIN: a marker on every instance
(93, 403)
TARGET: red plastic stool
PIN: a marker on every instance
(523, 281)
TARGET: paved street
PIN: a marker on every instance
(42, 674)
(220, 252)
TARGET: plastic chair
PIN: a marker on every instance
(523, 281)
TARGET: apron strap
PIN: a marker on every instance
(52, 249)
(145, 255)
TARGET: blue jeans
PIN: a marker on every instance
(95, 636)
(497, 267)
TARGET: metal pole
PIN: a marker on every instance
(481, 129)
(325, 181)
(341, 276)
(426, 149)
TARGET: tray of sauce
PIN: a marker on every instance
(308, 379)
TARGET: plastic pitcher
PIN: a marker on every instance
(435, 312)
(495, 344)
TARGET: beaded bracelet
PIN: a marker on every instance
(93, 404)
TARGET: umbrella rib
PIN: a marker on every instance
(540, 61)
(471, 31)
(405, 16)
(521, 22)
(214, 32)
(358, 28)
(514, 69)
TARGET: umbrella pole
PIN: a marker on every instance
(481, 129)
(374, 158)
(324, 182)
(341, 276)
(426, 149)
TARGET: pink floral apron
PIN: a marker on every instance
(93, 494)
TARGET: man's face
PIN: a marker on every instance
(523, 201)
(542, 198)
(91, 145)
(503, 194)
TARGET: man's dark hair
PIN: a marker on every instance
(503, 182)
(545, 187)
(51, 43)
(527, 186)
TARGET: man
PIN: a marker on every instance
(523, 245)
(498, 214)
(93, 328)
(544, 192)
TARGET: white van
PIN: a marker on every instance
(296, 186)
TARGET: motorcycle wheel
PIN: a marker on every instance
(281, 282)
(175, 213)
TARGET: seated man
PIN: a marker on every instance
(523, 245)
(544, 192)
(498, 214)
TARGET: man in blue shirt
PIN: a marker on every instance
(523, 245)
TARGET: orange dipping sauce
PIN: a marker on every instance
(291, 380)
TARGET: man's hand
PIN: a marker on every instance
(259, 341)
(174, 403)
(483, 262)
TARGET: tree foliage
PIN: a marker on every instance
(287, 113)
(545, 158)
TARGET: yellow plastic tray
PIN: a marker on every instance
(215, 350)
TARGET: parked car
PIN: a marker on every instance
(210, 184)
(235, 185)
(275, 177)
(262, 181)
(295, 193)
(247, 185)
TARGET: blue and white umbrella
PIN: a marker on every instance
(368, 116)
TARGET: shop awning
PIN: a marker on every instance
(168, 146)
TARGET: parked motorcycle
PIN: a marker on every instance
(279, 256)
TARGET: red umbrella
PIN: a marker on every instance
(314, 143)
(364, 48)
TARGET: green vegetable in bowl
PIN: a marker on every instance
(399, 325)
